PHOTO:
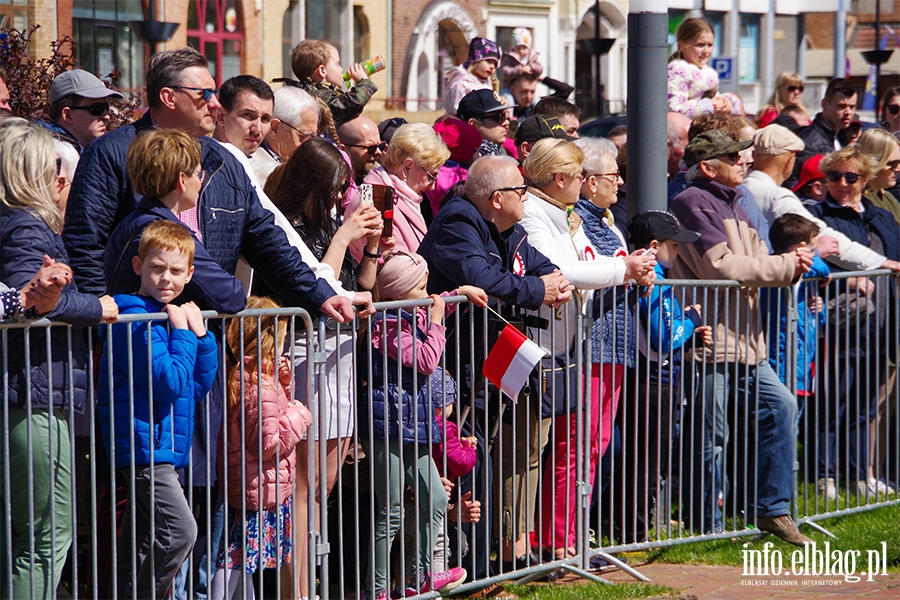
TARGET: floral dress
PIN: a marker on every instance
(267, 540)
(691, 88)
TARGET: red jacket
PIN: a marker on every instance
(282, 425)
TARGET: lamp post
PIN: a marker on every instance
(153, 32)
(597, 47)
(877, 56)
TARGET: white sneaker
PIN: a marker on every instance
(827, 488)
(877, 486)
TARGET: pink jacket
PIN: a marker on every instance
(282, 425)
(460, 457)
(459, 83)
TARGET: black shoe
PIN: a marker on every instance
(523, 562)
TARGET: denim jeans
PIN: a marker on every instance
(767, 402)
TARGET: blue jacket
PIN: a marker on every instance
(774, 303)
(461, 248)
(210, 287)
(399, 410)
(24, 239)
(669, 328)
(233, 223)
(183, 369)
(856, 226)
(613, 331)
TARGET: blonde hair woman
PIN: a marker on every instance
(788, 92)
(884, 149)
(414, 157)
(555, 172)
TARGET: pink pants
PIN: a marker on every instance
(559, 499)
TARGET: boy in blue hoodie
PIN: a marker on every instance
(177, 366)
(664, 329)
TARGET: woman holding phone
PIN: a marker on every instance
(410, 167)
(317, 171)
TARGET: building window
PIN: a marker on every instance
(215, 28)
(360, 35)
(14, 15)
(323, 21)
(748, 57)
(290, 37)
(106, 42)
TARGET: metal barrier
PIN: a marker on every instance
(631, 434)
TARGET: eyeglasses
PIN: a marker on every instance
(518, 189)
(380, 147)
(836, 176)
(303, 136)
(614, 175)
(894, 109)
(96, 109)
(201, 175)
(345, 185)
(893, 165)
(731, 157)
(431, 176)
(500, 117)
(208, 93)
(795, 88)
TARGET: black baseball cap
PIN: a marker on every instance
(538, 127)
(479, 102)
(387, 128)
(660, 226)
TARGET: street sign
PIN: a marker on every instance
(724, 66)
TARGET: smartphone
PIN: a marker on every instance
(365, 194)
(383, 200)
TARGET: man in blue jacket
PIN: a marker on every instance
(229, 220)
(476, 240)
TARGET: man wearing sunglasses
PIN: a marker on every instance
(736, 370)
(361, 141)
(484, 110)
(827, 132)
(79, 107)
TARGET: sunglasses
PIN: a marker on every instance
(345, 185)
(795, 88)
(519, 189)
(58, 166)
(208, 93)
(731, 157)
(894, 109)
(381, 147)
(836, 176)
(893, 165)
(95, 110)
(500, 117)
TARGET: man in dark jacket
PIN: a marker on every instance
(228, 220)
(476, 240)
(826, 133)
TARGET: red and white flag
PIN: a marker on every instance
(510, 361)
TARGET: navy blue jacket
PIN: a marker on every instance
(24, 239)
(233, 223)
(184, 367)
(462, 248)
(856, 226)
(210, 287)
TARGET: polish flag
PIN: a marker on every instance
(510, 361)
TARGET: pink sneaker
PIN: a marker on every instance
(440, 582)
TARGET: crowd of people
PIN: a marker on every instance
(247, 197)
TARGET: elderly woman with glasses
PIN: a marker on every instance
(884, 149)
(788, 92)
(558, 172)
(410, 167)
(862, 325)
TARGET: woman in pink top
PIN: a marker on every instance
(410, 167)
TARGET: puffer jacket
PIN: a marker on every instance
(270, 419)
(459, 83)
(233, 222)
(183, 369)
(399, 410)
(24, 239)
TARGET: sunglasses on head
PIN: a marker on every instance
(894, 109)
(795, 88)
(372, 149)
(96, 109)
(836, 176)
(208, 93)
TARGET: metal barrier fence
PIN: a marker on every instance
(345, 463)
